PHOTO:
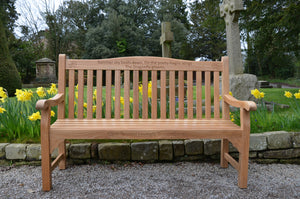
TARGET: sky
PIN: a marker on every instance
(30, 13)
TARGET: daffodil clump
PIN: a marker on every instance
(257, 94)
(18, 116)
(288, 94)
(23, 96)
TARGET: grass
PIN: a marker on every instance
(289, 81)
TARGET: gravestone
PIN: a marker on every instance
(240, 84)
(45, 71)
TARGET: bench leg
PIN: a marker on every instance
(224, 149)
(62, 149)
(244, 150)
(45, 150)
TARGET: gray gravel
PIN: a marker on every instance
(160, 180)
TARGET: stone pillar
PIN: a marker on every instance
(45, 71)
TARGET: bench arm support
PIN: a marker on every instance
(247, 105)
(45, 104)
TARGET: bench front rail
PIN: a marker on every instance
(107, 104)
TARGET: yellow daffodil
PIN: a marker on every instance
(141, 88)
(35, 116)
(41, 92)
(94, 108)
(84, 105)
(130, 99)
(95, 95)
(122, 100)
(52, 90)
(3, 94)
(76, 86)
(220, 97)
(297, 95)
(2, 110)
(288, 94)
(230, 93)
(262, 95)
(52, 113)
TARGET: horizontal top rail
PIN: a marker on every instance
(144, 63)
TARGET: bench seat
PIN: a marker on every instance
(143, 129)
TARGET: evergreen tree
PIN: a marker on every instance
(9, 76)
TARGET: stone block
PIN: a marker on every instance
(242, 84)
(296, 139)
(33, 152)
(165, 150)
(144, 151)
(16, 151)
(114, 151)
(282, 154)
(2, 150)
(80, 151)
(94, 151)
(212, 147)
(193, 147)
(178, 148)
(55, 152)
(279, 140)
(258, 142)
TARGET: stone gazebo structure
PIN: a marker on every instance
(45, 71)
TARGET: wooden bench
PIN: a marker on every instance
(167, 120)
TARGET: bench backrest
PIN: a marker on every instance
(120, 97)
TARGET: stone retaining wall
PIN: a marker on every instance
(270, 147)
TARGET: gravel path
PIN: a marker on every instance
(161, 180)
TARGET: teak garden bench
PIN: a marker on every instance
(164, 119)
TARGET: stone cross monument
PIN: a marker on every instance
(240, 84)
(166, 39)
(230, 10)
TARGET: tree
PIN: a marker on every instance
(271, 30)
(208, 37)
(9, 77)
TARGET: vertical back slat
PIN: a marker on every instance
(145, 95)
(61, 84)
(154, 95)
(71, 93)
(190, 94)
(135, 94)
(181, 94)
(80, 93)
(108, 95)
(163, 96)
(117, 94)
(216, 95)
(99, 95)
(225, 87)
(172, 94)
(199, 94)
(126, 94)
(90, 94)
(207, 95)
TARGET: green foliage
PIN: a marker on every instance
(271, 30)
(208, 30)
(9, 76)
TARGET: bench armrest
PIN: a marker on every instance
(247, 105)
(44, 104)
